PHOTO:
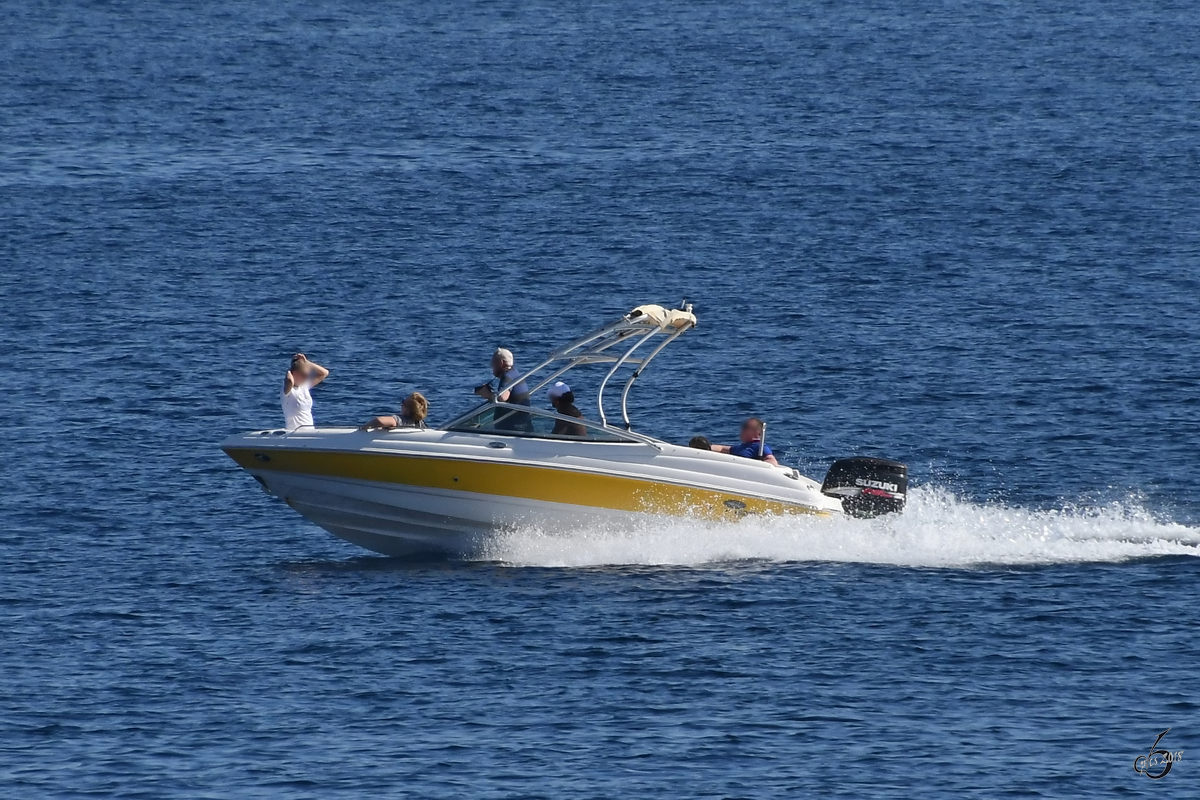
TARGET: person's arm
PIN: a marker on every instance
(381, 422)
(488, 393)
(719, 448)
(316, 373)
(770, 459)
(501, 394)
(514, 380)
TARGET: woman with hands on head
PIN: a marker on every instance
(301, 377)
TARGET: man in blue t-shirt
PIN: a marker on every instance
(751, 441)
(512, 389)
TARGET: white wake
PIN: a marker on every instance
(935, 530)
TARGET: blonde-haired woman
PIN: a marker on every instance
(412, 414)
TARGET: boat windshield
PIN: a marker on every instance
(504, 419)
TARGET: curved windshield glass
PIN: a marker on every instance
(522, 421)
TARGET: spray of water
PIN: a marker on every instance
(935, 530)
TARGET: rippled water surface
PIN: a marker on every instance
(964, 235)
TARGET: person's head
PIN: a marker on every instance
(300, 366)
(561, 395)
(752, 430)
(502, 361)
(415, 407)
(700, 443)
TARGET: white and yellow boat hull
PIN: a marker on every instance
(411, 491)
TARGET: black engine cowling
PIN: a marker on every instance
(868, 486)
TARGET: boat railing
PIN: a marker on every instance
(616, 343)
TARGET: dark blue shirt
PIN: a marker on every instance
(749, 450)
(518, 395)
(514, 381)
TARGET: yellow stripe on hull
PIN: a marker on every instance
(547, 484)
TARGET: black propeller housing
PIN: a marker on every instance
(868, 486)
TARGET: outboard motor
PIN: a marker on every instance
(868, 486)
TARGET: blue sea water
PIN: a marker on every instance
(961, 234)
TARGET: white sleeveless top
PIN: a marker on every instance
(297, 406)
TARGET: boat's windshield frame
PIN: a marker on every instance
(611, 435)
(616, 344)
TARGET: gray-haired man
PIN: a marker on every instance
(512, 389)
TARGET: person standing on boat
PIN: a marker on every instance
(512, 389)
(751, 443)
(301, 377)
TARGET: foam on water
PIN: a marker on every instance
(936, 530)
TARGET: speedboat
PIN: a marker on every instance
(500, 466)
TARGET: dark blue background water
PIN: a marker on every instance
(965, 235)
